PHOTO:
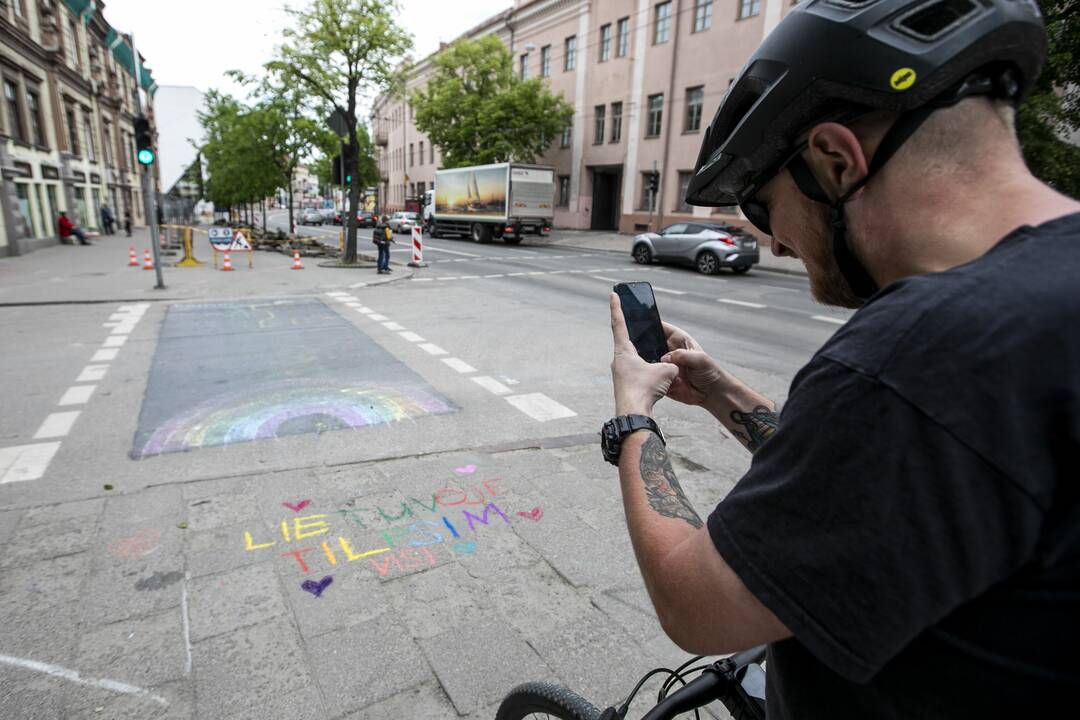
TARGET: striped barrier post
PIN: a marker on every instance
(417, 247)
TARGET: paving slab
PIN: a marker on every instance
(144, 651)
(230, 600)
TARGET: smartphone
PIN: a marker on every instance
(642, 320)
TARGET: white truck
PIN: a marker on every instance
(503, 201)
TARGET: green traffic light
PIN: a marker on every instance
(146, 156)
(348, 179)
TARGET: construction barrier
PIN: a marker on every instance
(233, 240)
(189, 250)
(417, 247)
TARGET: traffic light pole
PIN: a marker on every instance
(344, 201)
(149, 195)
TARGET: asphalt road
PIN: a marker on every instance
(325, 497)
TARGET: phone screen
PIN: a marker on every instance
(642, 320)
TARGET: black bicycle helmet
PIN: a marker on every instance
(838, 59)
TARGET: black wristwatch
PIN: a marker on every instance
(615, 429)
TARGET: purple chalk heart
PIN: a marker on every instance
(316, 588)
(465, 470)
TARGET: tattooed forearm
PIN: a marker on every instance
(661, 486)
(760, 424)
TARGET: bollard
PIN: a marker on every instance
(417, 248)
(189, 251)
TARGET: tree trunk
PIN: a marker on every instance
(292, 226)
(262, 204)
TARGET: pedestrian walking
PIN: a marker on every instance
(382, 236)
(68, 229)
(127, 222)
(108, 222)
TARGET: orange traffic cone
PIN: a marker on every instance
(228, 262)
(148, 263)
(133, 260)
(296, 264)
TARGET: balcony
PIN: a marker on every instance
(382, 137)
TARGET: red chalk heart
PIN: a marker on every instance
(534, 514)
(465, 470)
(298, 506)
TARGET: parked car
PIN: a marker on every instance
(706, 246)
(365, 219)
(328, 215)
(311, 217)
(403, 222)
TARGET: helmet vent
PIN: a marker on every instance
(937, 18)
(852, 4)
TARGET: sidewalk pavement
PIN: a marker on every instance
(100, 272)
(621, 243)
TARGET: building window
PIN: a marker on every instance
(662, 24)
(524, 66)
(545, 61)
(431, 153)
(88, 135)
(680, 202)
(14, 113)
(567, 135)
(749, 8)
(648, 197)
(598, 129)
(74, 45)
(656, 113)
(412, 157)
(37, 126)
(570, 53)
(73, 131)
(564, 190)
(702, 15)
(616, 122)
(695, 97)
(623, 43)
(107, 146)
(605, 42)
(420, 152)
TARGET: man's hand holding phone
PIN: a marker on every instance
(638, 384)
(699, 375)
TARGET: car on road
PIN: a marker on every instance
(365, 219)
(328, 215)
(705, 246)
(311, 217)
(403, 222)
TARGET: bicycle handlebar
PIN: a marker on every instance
(715, 682)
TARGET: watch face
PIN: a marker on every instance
(609, 441)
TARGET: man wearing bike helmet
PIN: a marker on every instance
(907, 538)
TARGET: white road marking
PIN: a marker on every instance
(540, 407)
(491, 385)
(576, 272)
(365, 310)
(187, 623)
(514, 274)
(26, 462)
(377, 317)
(115, 341)
(432, 349)
(393, 326)
(452, 277)
(494, 276)
(57, 424)
(411, 336)
(741, 303)
(73, 676)
(124, 329)
(606, 279)
(469, 277)
(77, 395)
(416, 279)
(665, 290)
(823, 318)
(338, 294)
(460, 365)
(459, 260)
(538, 273)
(92, 373)
(104, 355)
(358, 285)
(777, 287)
(452, 252)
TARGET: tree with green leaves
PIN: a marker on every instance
(478, 111)
(335, 51)
(329, 146)
(1052, 111)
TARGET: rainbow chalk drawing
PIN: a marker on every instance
(289, 408)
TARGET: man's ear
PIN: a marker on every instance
(836, 158)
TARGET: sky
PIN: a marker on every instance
(195, 41)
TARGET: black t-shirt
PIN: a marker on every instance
(915, 521)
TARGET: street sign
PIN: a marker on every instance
(223, 238)
(338, 123)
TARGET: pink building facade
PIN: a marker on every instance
(644, 77)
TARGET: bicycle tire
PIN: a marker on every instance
(549, 698)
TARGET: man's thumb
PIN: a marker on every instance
(682, 358)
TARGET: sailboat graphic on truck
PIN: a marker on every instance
(504, 202)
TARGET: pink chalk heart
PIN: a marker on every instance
(534, 514)
(298, 506)
(316, 588)
(465, 470)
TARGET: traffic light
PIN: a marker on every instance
(335, 172)
(144, 141)
(654, 181)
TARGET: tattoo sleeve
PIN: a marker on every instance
(759, 424)
(661, 486)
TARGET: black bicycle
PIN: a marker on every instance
(737, 681)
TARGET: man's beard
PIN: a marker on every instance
(827, 283)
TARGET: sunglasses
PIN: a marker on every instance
(756, 211)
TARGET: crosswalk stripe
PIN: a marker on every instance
(26, 462)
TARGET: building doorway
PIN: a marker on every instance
(606, 182)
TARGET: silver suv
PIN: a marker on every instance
(706, 246)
